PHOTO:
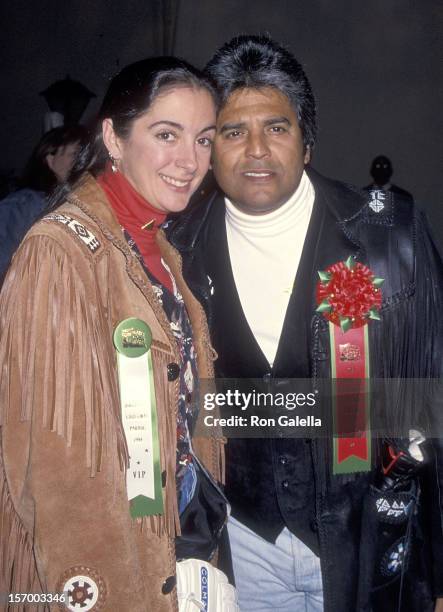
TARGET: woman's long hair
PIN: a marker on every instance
(37, 174)
(129, 96)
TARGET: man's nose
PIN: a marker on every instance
(257, 146)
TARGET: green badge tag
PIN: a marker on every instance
(132, 340)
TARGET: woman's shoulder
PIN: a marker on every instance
(68, 233)
(86, 216)
(77, 223)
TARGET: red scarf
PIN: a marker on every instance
(132, 212)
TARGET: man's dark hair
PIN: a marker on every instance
(258, 61)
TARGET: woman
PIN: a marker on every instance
(53, 158)
(98, 364)
(49, 165)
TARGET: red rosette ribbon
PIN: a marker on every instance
(348, 294)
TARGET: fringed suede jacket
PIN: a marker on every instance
(64, 510)
(379, 552)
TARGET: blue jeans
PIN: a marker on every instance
(284, 576)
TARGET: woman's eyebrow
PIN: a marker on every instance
(178, 126)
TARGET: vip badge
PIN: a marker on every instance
(132, 340)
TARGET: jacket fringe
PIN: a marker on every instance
(18, 571)
(408, 371)
(169, 522)
(43, 358)
(413, 363)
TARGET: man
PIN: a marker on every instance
(302, 535)
(381, 172)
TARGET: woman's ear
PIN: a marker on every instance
(307, 157)
(111, 140)
(49, 159)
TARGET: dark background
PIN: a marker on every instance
(375, 66)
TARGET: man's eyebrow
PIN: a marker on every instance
(274, 120)
(231, 126)
(241, 125)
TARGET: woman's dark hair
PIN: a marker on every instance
(258, 61)
(129, 96)
(37, 174)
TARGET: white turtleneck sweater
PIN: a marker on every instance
(265, 252)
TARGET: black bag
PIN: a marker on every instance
(203, 519)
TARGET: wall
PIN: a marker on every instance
(375, 67)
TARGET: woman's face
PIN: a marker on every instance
(167, 152)
(62, 160)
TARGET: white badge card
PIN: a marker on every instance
(132, 340)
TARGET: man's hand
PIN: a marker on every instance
(439, 605)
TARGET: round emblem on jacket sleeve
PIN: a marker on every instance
(84, 589)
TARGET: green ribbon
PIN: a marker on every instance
(132, 340)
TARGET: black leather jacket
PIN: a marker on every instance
(356, 537)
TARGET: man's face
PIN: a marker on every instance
(259, 154)
(381, 170)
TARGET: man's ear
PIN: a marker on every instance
(111, 140)
(307, 157)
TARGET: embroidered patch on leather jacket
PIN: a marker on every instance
(392, 510)
(79, 230)
(83, 588)
(394, 558)
(380, 208)
(377, 201)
